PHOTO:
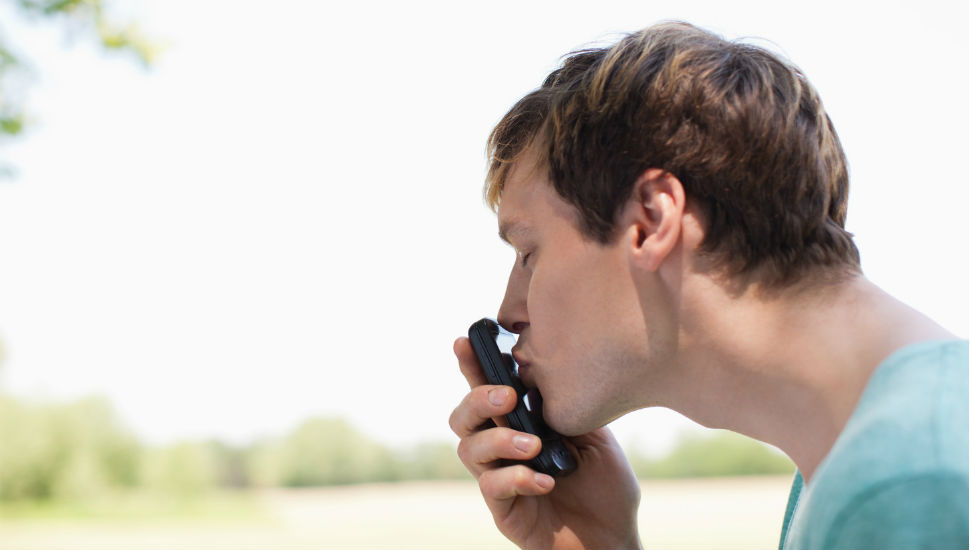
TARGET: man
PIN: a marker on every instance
(677, 206)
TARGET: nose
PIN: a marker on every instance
(513, 314)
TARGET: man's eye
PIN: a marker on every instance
(525, 259)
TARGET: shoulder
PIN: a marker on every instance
(897, 474)
(912, 417)
(923, 510)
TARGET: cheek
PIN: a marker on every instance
(585, 290)
(554, 304)
(569, 321)
(584, 321)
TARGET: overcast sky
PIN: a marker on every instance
(283, 218)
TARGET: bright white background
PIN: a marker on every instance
(283, 218)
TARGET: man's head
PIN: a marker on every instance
(742, 129)
(671, 139)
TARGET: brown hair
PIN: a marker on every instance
(524, 121)
(742, 129)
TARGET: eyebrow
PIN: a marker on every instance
(509, 228)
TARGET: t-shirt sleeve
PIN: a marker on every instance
(923, 511)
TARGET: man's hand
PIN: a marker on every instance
(594, 507)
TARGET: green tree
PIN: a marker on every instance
(329, 451)
(91, 16)
(724, 453)
(231, 465)
(432, 460)
(64, 450)
(183, 470)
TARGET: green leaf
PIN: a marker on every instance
(12, 125)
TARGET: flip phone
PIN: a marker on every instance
(493, 346)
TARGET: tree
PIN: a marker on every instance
(86, 16)
(720, 453)
(329, 451)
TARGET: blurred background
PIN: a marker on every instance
(238, 239)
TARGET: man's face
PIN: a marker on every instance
(582, 335)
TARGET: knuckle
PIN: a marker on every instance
(458, 421)
(453, 422)
(487, 483)
(464, 451)
(494, 439)
(522, 476)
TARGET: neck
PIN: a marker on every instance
(787, 370)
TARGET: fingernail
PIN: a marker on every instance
(544, 481)
(498, 396)
(524, 443)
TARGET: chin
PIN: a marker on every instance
(569, 422)
(579, 417)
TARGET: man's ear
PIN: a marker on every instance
(653, 217)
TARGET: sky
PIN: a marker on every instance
(283, 217)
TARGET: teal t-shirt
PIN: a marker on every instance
(897, 474)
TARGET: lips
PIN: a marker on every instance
(525, 370)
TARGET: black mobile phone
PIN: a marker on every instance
(493, 346)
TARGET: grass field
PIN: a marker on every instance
(696, 513)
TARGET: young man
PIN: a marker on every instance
(677, 206)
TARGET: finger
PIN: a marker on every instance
(481, 451)
(480, 405)
(468, 362)
(501, 486)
